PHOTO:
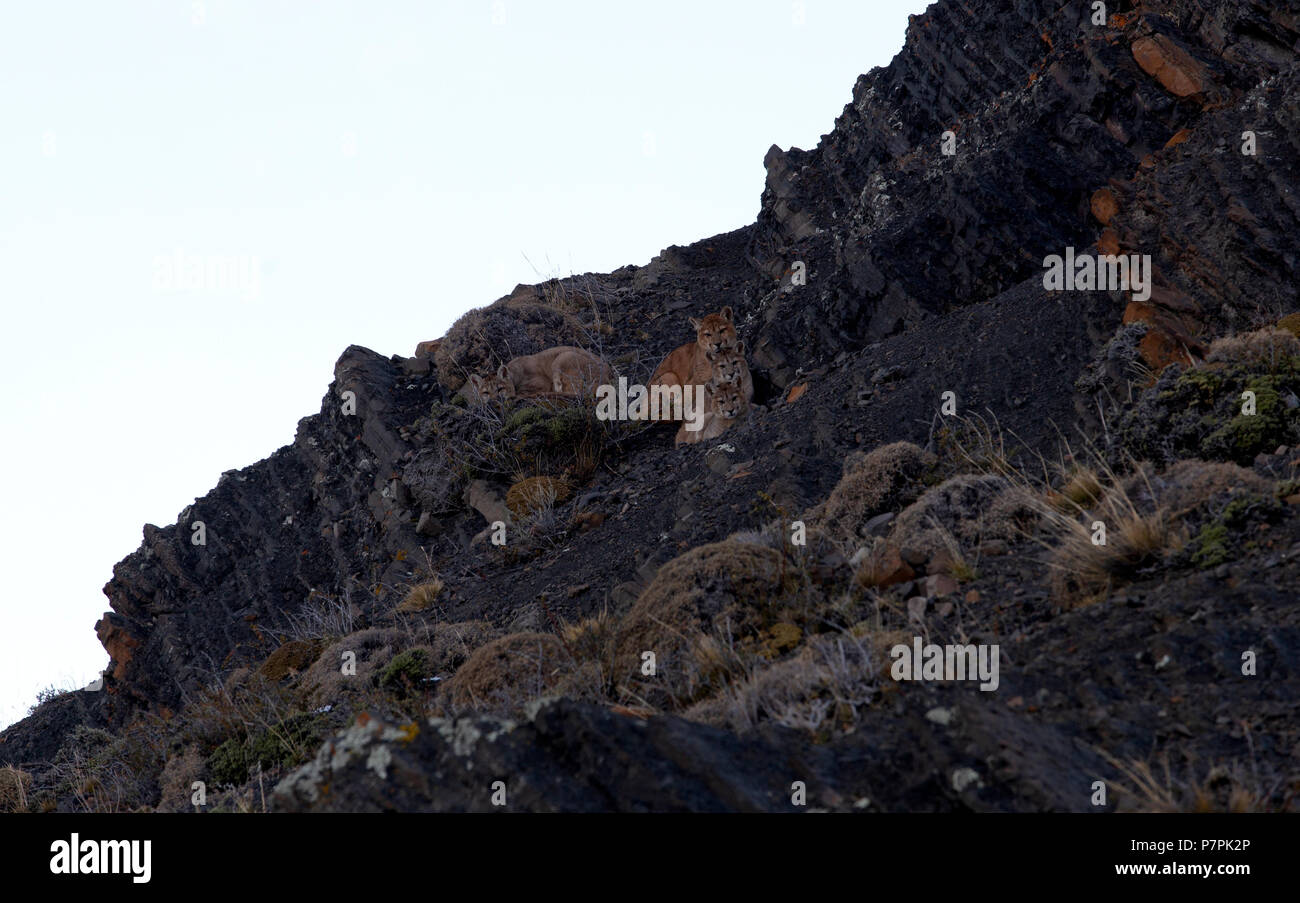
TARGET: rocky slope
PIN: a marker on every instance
(924, 275)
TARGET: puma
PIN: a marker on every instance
(726, 402)
(562, 370)
(689, 364)
(729, 368)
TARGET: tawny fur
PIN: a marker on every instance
(725, 403)
(728, 368)
(688, 365)
(562, 370)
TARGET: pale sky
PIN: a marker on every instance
(380, 168)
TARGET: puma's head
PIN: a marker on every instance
(716, 332)
(495, 388)
(728, 402)
(728, 366)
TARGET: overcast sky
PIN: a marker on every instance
(344, 173)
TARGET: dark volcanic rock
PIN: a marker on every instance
(1045, 108)
(568, 757)
(881, 273)
(564, 758)
(317, 516)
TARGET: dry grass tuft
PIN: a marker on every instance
(1080, 488)
(1264, 348)
(964, 511)
(1094, 549)
(534, 497)
(291, 658)
(444, 647)
(978, 445)
(1188, 485)
(322, 618)
(830, 680)
(1230, 787)
(15, 789)
(700, 589)
(421, 597)
(488, 336)
(880, 481)
(178, 775)
(953, 559)
(509, 671)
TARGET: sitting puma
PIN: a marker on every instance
(562, 370)
(726, 402)
(729, 368)
(687, 365)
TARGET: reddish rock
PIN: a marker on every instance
(1108, 243)
(587, 520)
(1104, 205)
(940, 585)
(1169, 340)
(886, 569)
(1172, 299)
(940, 562)
(1170, 65)
(1139, 312)
(631, 711)
(118, 640)
(914, 557)
(1159, 349)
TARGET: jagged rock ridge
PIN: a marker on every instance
(924, 275)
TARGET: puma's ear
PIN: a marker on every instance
(740, 346)
(726, 313)
(695, 324)
(503, 372)
(476, 381)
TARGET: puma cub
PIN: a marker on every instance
(562, 370)
(729, 368)
(726, 403)
(688, 365)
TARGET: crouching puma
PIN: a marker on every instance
(562, 370)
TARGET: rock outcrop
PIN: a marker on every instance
(895, 268)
